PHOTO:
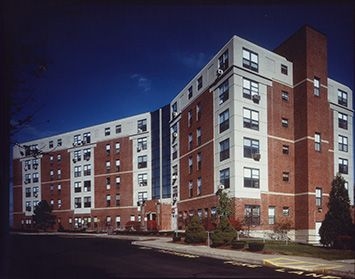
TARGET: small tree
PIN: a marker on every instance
(43, 216)
(337, 222)
(195, 232)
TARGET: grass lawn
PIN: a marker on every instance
(306, 250)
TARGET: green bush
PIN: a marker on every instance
(255, 246)
(238, 244)
(195, 232)
(224, 233)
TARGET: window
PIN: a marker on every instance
(189, 92)
(251, 178)
(342, 143)
(35, 191)
(342, 120)
(174, 151)
(77, 140)
(271, 214)
(117, 147)
(343, 165)
(87, 185)
(87, 169)
(142, 125)
(142, 196)
(223, 92)
(28, 206)
(199, 186)
(285, 176)
(190, 164)
(285, 149)
(27, 165)
(50, 144)
(142, 179)
(223, 61)
(28, 192)
(118, 129)
(284, 69)
(198, 136)
(189, 118)
(77, 202)
(224, 121)
(77, 186)
(284, 122)
(141, 144)
(118, 221)
(252, 215)
(224, 178)
(190, 143)
(250, 119)
(174, 110)
(108, 166)
(224, 150)
(77, 156)
(35, 177)
(59, 206)
(59, 174)
(251, 148)
(51, 174)
(142, 161)
(87, 154)
(108, 183)
(318, 197)
(118, 181)
(285, 211)
(316, 85)
(59, 157)
(342, 98)
(87, 201)
(250, 60)
(198, 112)
(250, 89)
(108, 200)
(107, 131)
(118, 200)
(59, 142)
(284, 96)
(108, 149)
(190, 189)
(87, 137)
(118, 165)
(199, 161)
(317, 142)
(77, 171)
(199, 83)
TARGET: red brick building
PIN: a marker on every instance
(269, 127)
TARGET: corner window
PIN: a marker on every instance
(224, 150)
(284, 96)
(250, 119)
(224, 178)
(199, 83)
(223, 61)
(342, 120)
(251, 90)
(223, 92)
(142, 125)
(284, 69)
(224, 121)
(316, 85)
(251, 178)
(252, 215)
(343, 165)
(342, 98)
(118, 129)
(107, 131)
(142, 161)
(251, 148)
(343, 143)
(189, 95)
(317, 142)
(284, 122)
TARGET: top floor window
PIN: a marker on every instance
(118, 129)
(174, 109)
(284, 69)
(316, 84)
(199, 83)
(87, 137)
(59, 142)
(142, 125)
(77, 140)
(189, 96)
(250, 60)
(223, 61)
(342, 98)
(107, 131)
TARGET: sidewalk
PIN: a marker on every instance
(292, 264)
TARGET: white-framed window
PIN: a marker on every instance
(190, 164)
(189, 118)
(35, 177)
(87, 137)
(343, 165)
(342, 120)
(107, 131)
(28, 192)
(77, 186)
(251, 178)
(198, 136)
(87, 185)
(223, 61)
(199, 160)
(224, 178)
(142, 144)
(199, 83)
(189, 92)
(190, 143)
(87, 169)
(342, 98)
(118, 128)
(316, 86)
(284, 69)
(108, 149)
(142, 179)
(87, 202)
(224, 150)
(142, 125)
(250, 119)
(342, 143)
(317, 142)
(284, 96)
(77, 202)
(285, 176)
(198, 112)
(142, 196)
(142, 161)
(251, 147)
(190, 188)
(35, 191)
(199, 186)
(271, 215)
(77, 156)
(117, 147)
(77, 171)
(252, 214)
(108, 200)
(318, 196)
(285, 211)
(250, 60)
(250, 88)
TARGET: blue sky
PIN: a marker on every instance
(107, 61)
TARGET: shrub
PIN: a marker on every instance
(133, 226)
(176, 237)
(255, 246)
(238, 244)
(343, 242)
(195, 232)
(224, 233)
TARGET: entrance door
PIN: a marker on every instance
(317, 238)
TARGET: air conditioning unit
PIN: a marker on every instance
(140, 130)
(256, 156)
(174, 198)
(74, 160)
(220, 187)
(174, 177)
(256, 98)
(219, 72)
(175, 134)
(74, 144)
(175, 113)
(138, 149)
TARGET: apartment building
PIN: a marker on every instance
(268, 127)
